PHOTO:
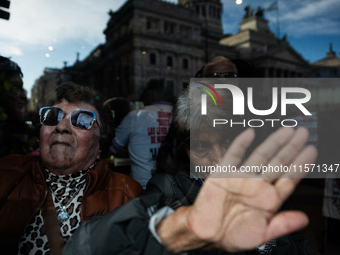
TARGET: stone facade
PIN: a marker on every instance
(273, 57)
(43, 90)
(152, 39)
(328, 66)
(155, 39)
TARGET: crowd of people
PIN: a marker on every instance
(67, 200)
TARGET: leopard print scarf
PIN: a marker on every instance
(63, 188)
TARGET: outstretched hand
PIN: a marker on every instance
(237, 214)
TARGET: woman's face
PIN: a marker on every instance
(65, 149)
(207, 149)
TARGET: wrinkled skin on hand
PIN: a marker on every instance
(240, 212)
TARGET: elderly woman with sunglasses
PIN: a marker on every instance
(42, 202)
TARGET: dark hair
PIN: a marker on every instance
(199, 73)
(213, 61)
(172, 152)
(9, 68)
(245, 68)
(74, 93)
(164, 92)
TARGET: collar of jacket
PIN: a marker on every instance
(189, 186)
(97, 178)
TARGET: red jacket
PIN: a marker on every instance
(23, 191)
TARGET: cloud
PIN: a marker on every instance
(311, 18)
(324, 26)
(8, 49)
(297, 18)
(37, 23)
(311, 9)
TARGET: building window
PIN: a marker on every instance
(184, 32)
(185, 63)
(151, 24)
(169, 62)
(203, 10)
(169, 28)
(153, 59)
(197, 9)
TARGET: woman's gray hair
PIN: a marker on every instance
(187, 122)
(188, 116)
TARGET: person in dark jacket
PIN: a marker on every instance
(187, 146)
(223, 214)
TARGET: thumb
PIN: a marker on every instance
(286, 223)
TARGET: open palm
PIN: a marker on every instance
(239, 211)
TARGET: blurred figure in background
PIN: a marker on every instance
(222, 67)
(120, 107)
(218, 67)
(144, 129)
(13, 100)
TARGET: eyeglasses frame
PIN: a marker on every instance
(221, 75)
(64, 115)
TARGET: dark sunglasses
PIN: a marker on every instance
(222, 75)
(82, 119)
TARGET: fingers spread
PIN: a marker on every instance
(237, 149)
(306, 156)
(287, 183)
(270, 147)
(288, 152)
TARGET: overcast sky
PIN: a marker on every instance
(71, 26)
